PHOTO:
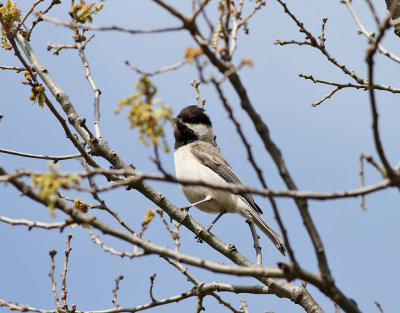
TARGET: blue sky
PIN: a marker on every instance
(321, 146)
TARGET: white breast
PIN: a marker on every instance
(188, 167)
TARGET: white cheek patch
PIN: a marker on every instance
(203, 132)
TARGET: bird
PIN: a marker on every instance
(198, 157)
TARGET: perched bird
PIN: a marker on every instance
(197, 157)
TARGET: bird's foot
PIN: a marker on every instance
(199, 240)
(207, 229)
(186, 208)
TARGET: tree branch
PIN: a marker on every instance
(45, 157)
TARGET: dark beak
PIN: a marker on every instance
(178, 121)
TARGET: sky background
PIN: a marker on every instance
(321, 147)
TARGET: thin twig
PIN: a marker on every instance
(238, 21)
(196, 84)
(379, 307)
(369, 35)
(15, 31)
(200, 306)
(103, 205)
(225, 303)
(371, 161)
(314, 104)
(64, 291)
(183, 270)
(152, 277)
(373, 11)
(243, 307)
(257, 246)
(322, 36)
(58, 47)
(174, 233)
(13, 68)
(311, 41)
(35, 224)
(96, 240)
(52, 253)
(96, 91)
(39, 19)
(160, 71)
(107, 28)
(45, 157)
(371, 50)
(362, 182)
(115, 290)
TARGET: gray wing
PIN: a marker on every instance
(210, 156)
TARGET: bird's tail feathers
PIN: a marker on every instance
(268, 231)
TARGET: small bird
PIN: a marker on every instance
(197, 157)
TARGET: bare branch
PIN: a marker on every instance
(373, 11)
(152, 277)
(64, 273)
(379, 307)
(96, 91)
(15, 31)
(257, 246)
(326, 97)
(243, 307)
(370, 160)
(35, 224)
(195, 85)
(39, 19)
(12, 68)
(96, 240)
(107, 28)
(371, 50)
(362, 182)
(58, 47)
(174, 233)
(225, 303)
(213, 266)
(115, 290)
(160, 71)
(22, 308)
(314, 43)
(52, 253)
(45, 157)
(183, 270)
(369, 35)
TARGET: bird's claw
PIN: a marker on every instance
(207, 229)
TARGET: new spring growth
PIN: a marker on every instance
(144, 115)
(83, 12)
(10, 13)
(49, 183)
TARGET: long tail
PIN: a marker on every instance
(268, 231)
